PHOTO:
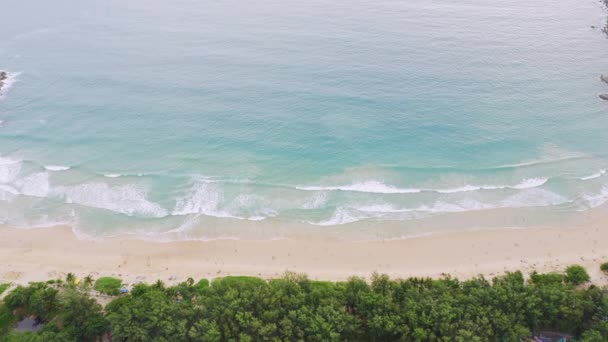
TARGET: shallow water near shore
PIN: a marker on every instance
(215, 120)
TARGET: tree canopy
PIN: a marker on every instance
(295, 308)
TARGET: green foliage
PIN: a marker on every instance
(70, 278)
(38, 300)
(546, 279)
(4, 287)
(202, 286)
(7, 320)
(108, 285)
(592, 336)
(577, 275)
(604, 267)
(239, 282)
(22, 337)
(148, 315)
(87, 282)
(42, 336)
(68, 314)
(80, 316)
(295, 308)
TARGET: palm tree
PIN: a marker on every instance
(159, 284)
(87, 281)
(190, 281)
(70, 278)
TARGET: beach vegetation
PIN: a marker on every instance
(160, 317)
(88, 281)
(80, 316)
(592, 336)
(577, 275)
(293, 307)
(546, 278)
(68, 313)
(38, 299)
(70, 279)
(604, 267)
(202, 286)
(7, 320)
(23, 337)
(108, 285)
(4, 287)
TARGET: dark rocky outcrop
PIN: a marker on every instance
(604, 96)
(3, 76)
(605, 29)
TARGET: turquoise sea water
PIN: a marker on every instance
(146, 117)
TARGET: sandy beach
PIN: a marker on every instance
(45, 253)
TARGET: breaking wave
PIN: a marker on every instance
(369, 186)
(56, 168)
(528, 198)
(207, 198)
(204, 198)
(125, 199)
(381, 188)
(597, 199)
(595, 175)
(248, 200)
(35, 185)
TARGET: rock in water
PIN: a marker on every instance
(3, 76)
(604, 78)
(604, 97)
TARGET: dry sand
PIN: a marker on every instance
(45, 253)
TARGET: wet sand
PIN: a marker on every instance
(44, 253)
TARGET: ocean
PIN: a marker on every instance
(227, 119)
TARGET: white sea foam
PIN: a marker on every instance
(317, 201)
(340, 216)
(526, 198)
(530, 183)
(595, 175)
(533, 198)
(466, 188)
(597, 199)
(454, 207)
(56, 168)
(9, 189)
(257, 207)
(524, 184)
(11, 78)
(36, 185)
(125, 199)
(207, 198)
(9, 169)
(116, 175)
(571, 157)
(368, 186)
(7, 193)
(204, 198)
(381, 208)
(381, 188)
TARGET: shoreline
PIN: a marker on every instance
(39, 254)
